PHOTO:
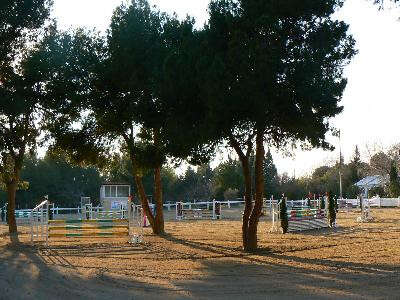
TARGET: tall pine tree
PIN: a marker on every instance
(271, 179)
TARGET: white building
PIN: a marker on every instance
(114, 195)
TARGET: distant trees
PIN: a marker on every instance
(381, 3)
(228, 176)
(271, 178)
(62, 181)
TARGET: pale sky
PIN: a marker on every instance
(371, 100)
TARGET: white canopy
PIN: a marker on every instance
(370, 182)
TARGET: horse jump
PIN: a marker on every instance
(129, 226)
(301, 219)
(198, 213)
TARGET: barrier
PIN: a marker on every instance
(88, 228)
(198, 213)
(130, 226)
(300, 219)
(89, 213)
(306, 219)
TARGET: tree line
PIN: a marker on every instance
(65, 183)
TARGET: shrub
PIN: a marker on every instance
(331, 210)
(283, 215)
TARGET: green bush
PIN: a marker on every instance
(331, 210)
(283, 215)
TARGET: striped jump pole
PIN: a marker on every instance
(301, 219)
(198, 213)
(129, 226)
(88, 228)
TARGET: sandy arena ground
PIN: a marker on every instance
(203, 260)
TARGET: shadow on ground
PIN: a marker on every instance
(175, 267)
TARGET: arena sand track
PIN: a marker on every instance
(203, 260)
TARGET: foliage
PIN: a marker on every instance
(227, 175)
(17, 21)
(380, 164)
(271, 178)
(394, 184)
(63, 182)
(331, 210)
(283, 215)
(230, 194)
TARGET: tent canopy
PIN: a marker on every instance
(370, 182)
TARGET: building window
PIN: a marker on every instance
(113, 191)
(123, 191)
(107, 191)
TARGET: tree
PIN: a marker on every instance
(19, 22)
(380, 164)
(356, 159)
(394, 184)
(270, 175)
(381, 3)
(269, 70)
(227, 176)
(62, 181)
(331, 209)
(122, 91)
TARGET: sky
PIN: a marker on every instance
(371, 117)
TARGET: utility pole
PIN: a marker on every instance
(340, 168)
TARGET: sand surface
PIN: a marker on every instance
(204, 260)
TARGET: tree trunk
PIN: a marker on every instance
(259, 192)
(144, 201)
(159, 219)
(248, 194)
(12, 223)
(248, 205)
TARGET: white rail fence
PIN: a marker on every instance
(373, 202)
(25, 214)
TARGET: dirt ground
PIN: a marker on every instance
(203, 260)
